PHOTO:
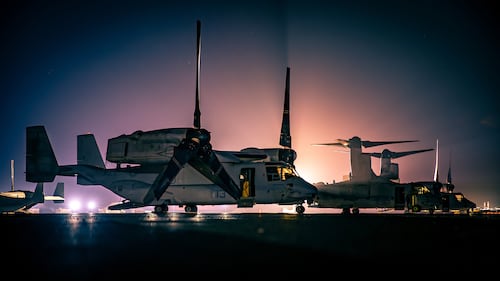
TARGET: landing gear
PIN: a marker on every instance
(346, 211)
(300, 209)
(161, 209)
(191, 208)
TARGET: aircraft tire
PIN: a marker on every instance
(161, 209)
(191, 209)
(300, 209)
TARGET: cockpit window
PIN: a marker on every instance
(279, 173)
(459, 197)
(421, 189)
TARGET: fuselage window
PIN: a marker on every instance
(272, 174)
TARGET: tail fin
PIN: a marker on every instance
(37, 196)
(59, 193)
(58, 196)
(88, 152)
(41, 162)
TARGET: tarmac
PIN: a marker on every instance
(252, 245)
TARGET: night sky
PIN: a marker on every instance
(380, 70)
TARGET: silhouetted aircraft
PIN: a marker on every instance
(20, 201)
(177, 166)
(365, 189)
(450, 201)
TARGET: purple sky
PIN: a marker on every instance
(380, 70)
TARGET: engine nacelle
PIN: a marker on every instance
(150, 147)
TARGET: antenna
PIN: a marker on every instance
(12, 174)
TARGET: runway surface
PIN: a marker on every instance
(115, 246)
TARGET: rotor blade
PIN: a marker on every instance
(448, 179)
(377, 143)
(210, 167)
(436, 167)
(285, 136)
(393, 155)
(186, 150)
(197, 113)
(339, 142)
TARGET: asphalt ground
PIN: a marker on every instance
(248, 246)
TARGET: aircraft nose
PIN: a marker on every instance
(303, 189)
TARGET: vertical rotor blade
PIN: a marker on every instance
(436, 173)
(367, 144)
(197, 113)
(449, 170)
(182, 154)
(285, 136)
(12, 175)
(210, 166)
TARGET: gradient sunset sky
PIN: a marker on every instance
(380, 70)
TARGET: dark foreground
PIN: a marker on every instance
(248, 246)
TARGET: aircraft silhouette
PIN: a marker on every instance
(176, 166)
(450, 201)
(365, 189)
(20, 201)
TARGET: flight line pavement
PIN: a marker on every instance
(116, 246)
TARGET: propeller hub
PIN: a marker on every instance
(200, 136)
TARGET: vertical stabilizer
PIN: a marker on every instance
(58, 196)
(37, 197)
(88, 152)
(41, 163)
(38, 194)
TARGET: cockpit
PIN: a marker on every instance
(279, 171)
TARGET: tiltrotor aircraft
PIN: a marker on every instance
(365, 189)
(177, 166)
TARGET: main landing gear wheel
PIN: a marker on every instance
(161, 209)
(191, 209)
(300, 209)
(416, 208)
